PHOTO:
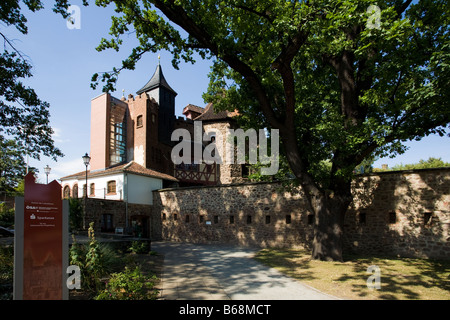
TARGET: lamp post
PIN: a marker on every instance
(86, 160)
(47, 170)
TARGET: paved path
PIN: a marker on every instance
(219, 272)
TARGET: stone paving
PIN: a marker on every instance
(218, 272)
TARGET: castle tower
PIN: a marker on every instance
(158, 89)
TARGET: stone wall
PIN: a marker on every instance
(402, 213)
(405, 213)
(245, 214)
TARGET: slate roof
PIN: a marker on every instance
(156, 81)
(130, 167)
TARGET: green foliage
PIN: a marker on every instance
(129, 285)
(423, 164)
(6, 272)
(23, 115)
(91, 261)
(12, 165)
(6, 216)
(94, 263)
(6, 264)
(141, 246)
(314, 70)
(75, 214)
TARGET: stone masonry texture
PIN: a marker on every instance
(405, 213)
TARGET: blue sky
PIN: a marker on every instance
(64, 60)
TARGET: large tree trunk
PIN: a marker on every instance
(329, 210)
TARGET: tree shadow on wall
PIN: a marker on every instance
(405, 216)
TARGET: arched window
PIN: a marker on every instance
(66, 192)
(75, 190)
(92, 189)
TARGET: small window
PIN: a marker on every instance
(201, 218)
(267, 219)
(362, 218)
(288, 219)
(392, 217)
(186, 219)
(427, 218)
(249, 219)
(216, 219)
(153, 118)
(175, 217)
(231, 219)
(112, 187)
(164, 217)
(139, 121)
(92, 189)
(245, 170)
(310, 219)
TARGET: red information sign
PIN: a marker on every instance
(42, 241)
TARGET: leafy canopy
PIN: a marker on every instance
(23, 116)
(342, 84)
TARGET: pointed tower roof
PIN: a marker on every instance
(156, 81)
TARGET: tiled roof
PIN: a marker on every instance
(193, 108)
(210, 115)
(130, 167)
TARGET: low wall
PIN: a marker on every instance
(402, 213)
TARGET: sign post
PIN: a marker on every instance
(40, 242)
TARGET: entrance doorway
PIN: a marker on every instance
(140, 226)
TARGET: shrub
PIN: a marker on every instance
(140, 247)
(129, 285)
(6, 216)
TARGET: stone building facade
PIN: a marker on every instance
(397, 213)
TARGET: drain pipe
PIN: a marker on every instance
(126, 202)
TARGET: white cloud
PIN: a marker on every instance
(60, 169)
(58, 136)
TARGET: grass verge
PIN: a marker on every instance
(401, 278)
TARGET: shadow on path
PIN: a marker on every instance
(220, 272)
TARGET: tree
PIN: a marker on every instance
(342, 80)
(23, 116)
(423, 164)
(12, 166)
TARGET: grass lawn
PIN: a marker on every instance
(401, 278)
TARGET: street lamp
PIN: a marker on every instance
(86, 160)
(47, 170)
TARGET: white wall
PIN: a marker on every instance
(101, 186)
(139, 188)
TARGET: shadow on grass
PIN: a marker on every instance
(401, 278)
(293, 262)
